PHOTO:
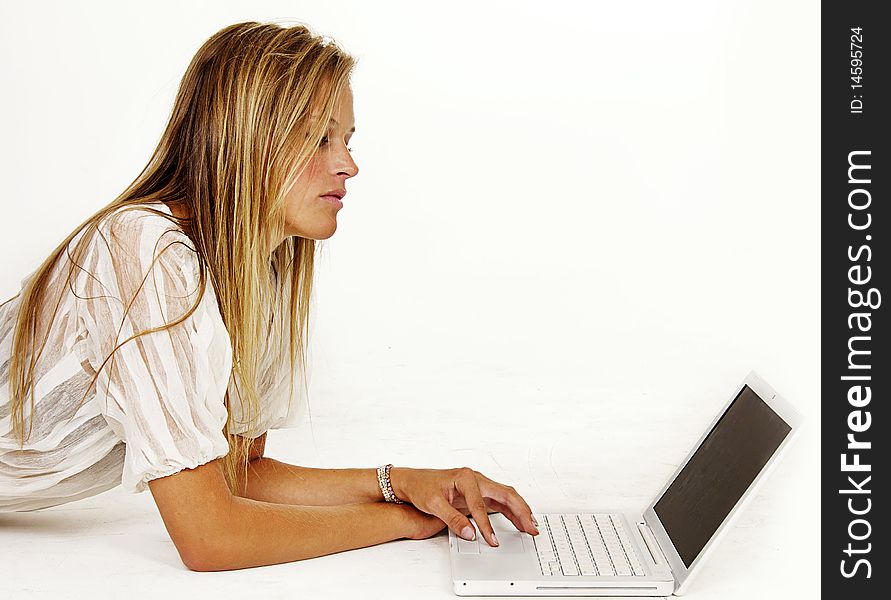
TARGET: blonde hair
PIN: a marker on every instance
(241, 131)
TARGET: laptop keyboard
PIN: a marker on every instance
(585, 544)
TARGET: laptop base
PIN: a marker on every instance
(513, 568)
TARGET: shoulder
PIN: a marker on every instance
(144, 235)
(135, 241)
(134, 225)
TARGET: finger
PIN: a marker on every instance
(506, 511)
(455, 519)
(491, 505)
(466, 483)
(509, 497)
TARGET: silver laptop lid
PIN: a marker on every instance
(720, 475)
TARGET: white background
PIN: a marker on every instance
(576, 227)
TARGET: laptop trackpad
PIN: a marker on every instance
(509, 542)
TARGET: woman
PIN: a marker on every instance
(149, 349)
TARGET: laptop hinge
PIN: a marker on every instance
(651, 544)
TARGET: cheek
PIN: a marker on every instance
(311, 173)
(300, 191)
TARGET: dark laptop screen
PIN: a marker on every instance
(719, 473)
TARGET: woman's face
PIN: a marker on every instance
(309, 211)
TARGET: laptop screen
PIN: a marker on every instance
(719, 473)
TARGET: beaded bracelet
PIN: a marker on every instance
(383, 478)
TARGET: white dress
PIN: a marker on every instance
(159, 407)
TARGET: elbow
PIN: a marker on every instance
(197, 508)
(202, 555)
(206, 556)
(196, 567)
(200, 568)
(198, 562)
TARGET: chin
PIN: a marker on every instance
(316, 233)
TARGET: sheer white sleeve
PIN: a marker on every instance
(162, 392)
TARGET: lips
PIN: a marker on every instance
(332, 200)
(339, 194)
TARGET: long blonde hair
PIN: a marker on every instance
(241, 131)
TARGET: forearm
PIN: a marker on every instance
(270, 480)
(263, 533)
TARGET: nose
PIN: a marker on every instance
(345, 165)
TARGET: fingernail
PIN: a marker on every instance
(534, 521)
(494, 539)
(468, 533)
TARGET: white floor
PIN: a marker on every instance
(562, 442)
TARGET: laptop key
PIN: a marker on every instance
(634, 561)
(565, 559)
(587, 567)
(543, 541)
(604, 567)
(623, 571)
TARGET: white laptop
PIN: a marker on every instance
(655, 553)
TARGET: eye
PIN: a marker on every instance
(324, 141)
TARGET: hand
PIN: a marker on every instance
(448, 493)
(420, 525)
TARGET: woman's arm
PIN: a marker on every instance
(216, 531)
(263, 533)
(441, 493)
(270, 480)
